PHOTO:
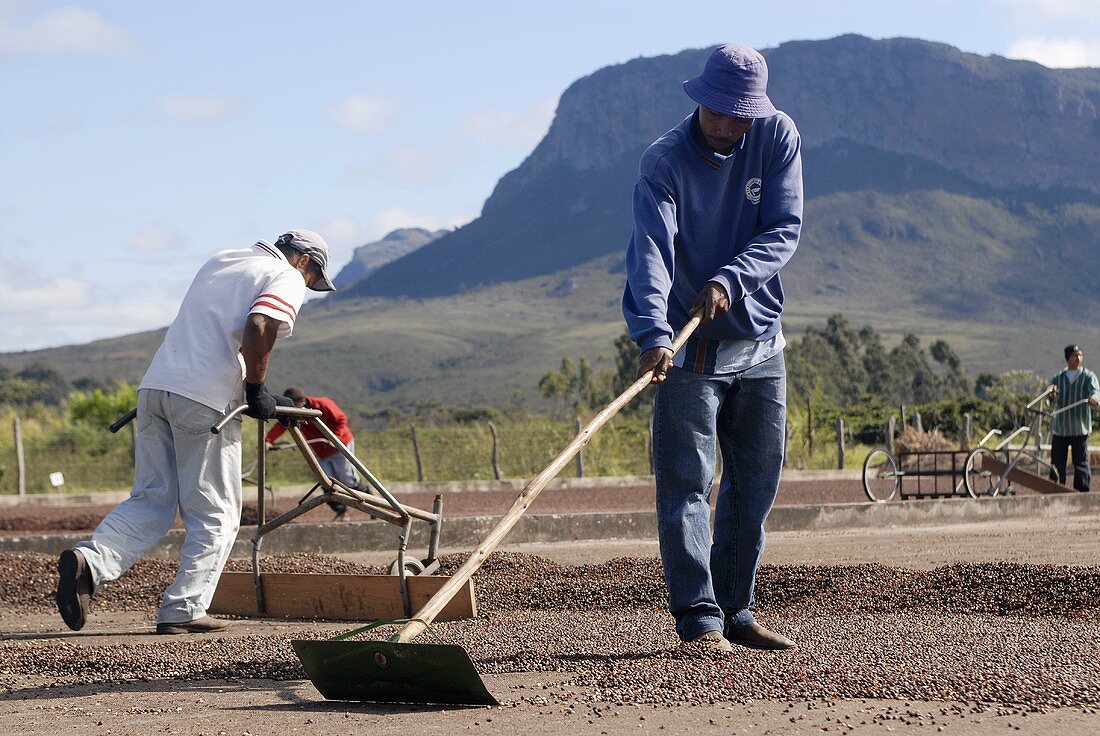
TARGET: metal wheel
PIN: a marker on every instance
(980, 481)
(413, 566)
(880, 476)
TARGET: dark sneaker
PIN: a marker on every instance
(340, 509)
(755, 636)
(74, 588)
(713, 641)
(203, 625)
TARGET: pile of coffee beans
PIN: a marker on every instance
(1021, 636)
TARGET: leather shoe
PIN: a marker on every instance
(755, 636)
(203, 625)
(74, 588)
(713, 641)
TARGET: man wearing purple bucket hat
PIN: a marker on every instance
(717, 214)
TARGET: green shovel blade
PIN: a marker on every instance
(387, 672)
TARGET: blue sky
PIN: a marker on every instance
(137, 138)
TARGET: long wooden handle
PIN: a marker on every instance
(492, 540)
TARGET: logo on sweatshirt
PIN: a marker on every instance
(752, 190)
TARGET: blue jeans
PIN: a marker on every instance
(710, 580)
(339, 467)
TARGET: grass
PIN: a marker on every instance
(95, 460)
(92, 459)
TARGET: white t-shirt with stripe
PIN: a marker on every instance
(200, 357)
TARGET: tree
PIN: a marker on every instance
(35, 383)
(626, 364)
(102, 407)
(983, 384)
(1012, 391)
(875, 362)
(912, 379)
(838, 367)
(558, 385)
(954, 381)
(576, 388)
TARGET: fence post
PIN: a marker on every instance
(20, 461)
(416, 453)
(968, 431)
(786, 441)
(580, 452)
(496, 451)
(840, 443)
(920, 424)
(891, 431)
(810, 430)
(649, 445)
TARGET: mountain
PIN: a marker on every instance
(366, 259)
(948, 194)
(943, 115)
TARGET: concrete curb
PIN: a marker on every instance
(110, 498)
(466, 532)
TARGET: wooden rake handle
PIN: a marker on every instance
(526, 497)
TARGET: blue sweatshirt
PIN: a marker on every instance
(700, 216)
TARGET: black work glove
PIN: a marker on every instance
(261, 402)
(285, 420)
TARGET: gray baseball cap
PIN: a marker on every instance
(314, 246)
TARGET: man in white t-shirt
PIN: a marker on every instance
(214, 355)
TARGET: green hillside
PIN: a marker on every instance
(482, 347)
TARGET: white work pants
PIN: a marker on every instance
(178, 464)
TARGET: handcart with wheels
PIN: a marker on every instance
(991, 471)
(410, 579)
(933, 474)
(984, 471)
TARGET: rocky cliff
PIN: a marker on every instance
(368, 258)
(1006, 128)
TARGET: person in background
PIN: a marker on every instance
(1070, 429)
(332, 461)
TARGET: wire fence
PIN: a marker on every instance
(80, 458)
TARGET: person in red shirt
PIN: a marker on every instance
(332, 461)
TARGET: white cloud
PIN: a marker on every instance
(58, 292)
(364, 114)
(385, 221)
(201, 108)
(157, 239)
(343, 233)
(11, 9)
(64, 31)
(39, 309)
(420, 167)
(341, 230)
(505, 129)
(406, 166)
(1056, 52)
(1035, 12)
